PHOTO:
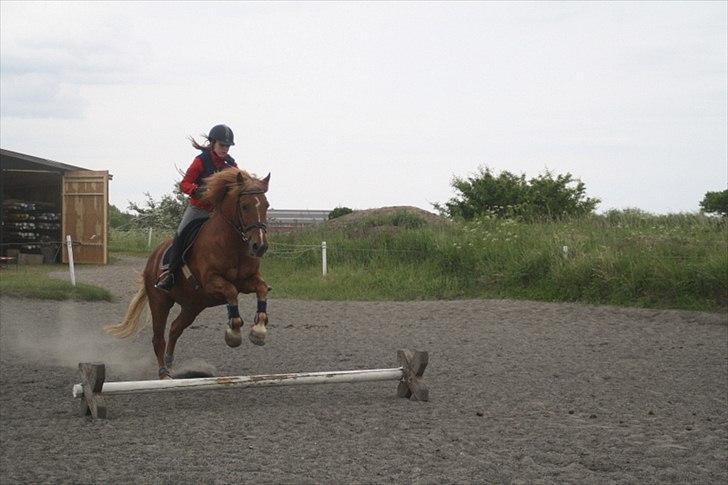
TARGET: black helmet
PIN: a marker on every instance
(221, 133)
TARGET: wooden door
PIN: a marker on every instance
(85, 215)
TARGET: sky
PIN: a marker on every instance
(374, 104)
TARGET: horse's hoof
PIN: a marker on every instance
(257, 334)
(164, 374)
(232, 338)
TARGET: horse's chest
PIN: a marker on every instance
(231, 274)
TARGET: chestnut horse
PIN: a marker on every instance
(224, 261)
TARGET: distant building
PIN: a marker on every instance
(283, 220)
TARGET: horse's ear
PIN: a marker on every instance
(267, 179)
(241, 179)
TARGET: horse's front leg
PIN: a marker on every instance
(259, 330)
(221, 287)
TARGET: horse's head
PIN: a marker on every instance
(241, 200)
(252, 213)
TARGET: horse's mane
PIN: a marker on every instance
(226, 181)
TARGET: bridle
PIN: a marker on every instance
(240, 227)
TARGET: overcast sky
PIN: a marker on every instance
(376, 104)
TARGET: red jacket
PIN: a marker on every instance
(189, 182)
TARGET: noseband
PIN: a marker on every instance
(241, 228)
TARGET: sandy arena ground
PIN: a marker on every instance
(521, 392)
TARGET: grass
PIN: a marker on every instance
(625, 258)
(356, 282)
(34, 282)
(136, 242)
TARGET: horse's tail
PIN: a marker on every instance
(132, 322)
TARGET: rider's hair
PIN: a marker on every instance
(208, 146)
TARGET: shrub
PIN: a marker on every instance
(165, 214)
(715, 202)
(507, 195)
(118, 218)
(339, 211)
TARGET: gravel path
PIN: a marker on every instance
(521, 392)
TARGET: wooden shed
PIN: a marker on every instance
(42, 201)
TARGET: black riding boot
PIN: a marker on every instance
(166, 280)
(169, 267)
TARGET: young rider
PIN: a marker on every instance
(213, 158)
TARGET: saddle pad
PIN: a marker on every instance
(187, 238)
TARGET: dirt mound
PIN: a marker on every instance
(360, 216)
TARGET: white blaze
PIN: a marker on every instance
(257, 209)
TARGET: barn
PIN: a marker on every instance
(42, 201)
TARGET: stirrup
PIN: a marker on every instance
(165, 281)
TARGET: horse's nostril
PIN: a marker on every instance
(261, 250)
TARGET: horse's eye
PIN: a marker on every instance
(245, 207)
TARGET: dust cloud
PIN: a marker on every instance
(67, 340)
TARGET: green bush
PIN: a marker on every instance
(339, 211)
(715, 202)
(507, 195)
(119, 219)
(164, 214)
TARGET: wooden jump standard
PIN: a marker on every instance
(92, 388)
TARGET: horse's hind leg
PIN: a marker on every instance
(160, 308)
(183, 320)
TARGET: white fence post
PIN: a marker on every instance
(149, 240)
(69, 243)
(323, 257)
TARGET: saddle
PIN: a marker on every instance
(185, 240)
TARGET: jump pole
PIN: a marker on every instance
(93, 389)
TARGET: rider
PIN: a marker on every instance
(213, 158)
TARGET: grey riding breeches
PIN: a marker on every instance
(191, 213)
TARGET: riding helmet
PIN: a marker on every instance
(222, 134)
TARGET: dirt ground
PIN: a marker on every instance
(521, 392)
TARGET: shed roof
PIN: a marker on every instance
(16, 160)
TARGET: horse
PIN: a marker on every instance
(223, 262)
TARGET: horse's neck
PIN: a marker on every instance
(230, 248)
(220, 226)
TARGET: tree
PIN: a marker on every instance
(118, 218)
(165, 214)
(715, 202)
(339, 211)
(508, 195)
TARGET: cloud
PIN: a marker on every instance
(43, 75)
(38, 96)
(615, 93)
